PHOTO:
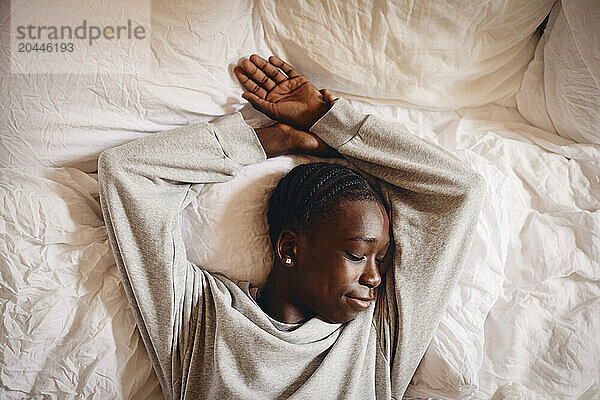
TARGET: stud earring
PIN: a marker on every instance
(288, 261)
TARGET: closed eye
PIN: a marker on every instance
(353, 257)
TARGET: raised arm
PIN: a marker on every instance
(433, 199)
(144, 185)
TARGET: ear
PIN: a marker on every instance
(287, 248)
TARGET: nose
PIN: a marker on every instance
(370, 276)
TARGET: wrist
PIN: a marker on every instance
(320, 111)
(274, 141)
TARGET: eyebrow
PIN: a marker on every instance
(367, 239)
(362, 238)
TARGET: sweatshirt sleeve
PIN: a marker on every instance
(144, 185)
(433, 200)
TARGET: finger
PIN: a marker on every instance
(261, 105)
(257, 75)
(327, 96)
(248, 83)
(269, 69)
(272, 71)
(287, 68)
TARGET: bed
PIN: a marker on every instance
(510, 87)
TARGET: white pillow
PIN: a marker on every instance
(225, 230)
(531, 97)
(68, 119)
(442, 54)
(560, 91)
(431, 54)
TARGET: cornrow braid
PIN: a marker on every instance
(312, 191)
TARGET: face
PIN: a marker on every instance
(338, 268)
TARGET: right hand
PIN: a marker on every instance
(289, 97)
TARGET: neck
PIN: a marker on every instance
(275, 299)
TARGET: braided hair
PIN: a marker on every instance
(311, 192)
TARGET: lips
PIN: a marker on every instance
(360, 303)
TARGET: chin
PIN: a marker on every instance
(340, 318)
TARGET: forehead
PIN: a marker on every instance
(356, 218)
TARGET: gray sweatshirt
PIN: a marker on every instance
(206, 335)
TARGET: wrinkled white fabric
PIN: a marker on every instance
(540, 333)
(68, 119)
(438, 54)
(531, 97)
(432, 54)
(560, 91)
(572, 71)
(66, 331)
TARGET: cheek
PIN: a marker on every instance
(337, 277)
(329, 273)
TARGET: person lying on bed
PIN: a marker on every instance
(365, 258)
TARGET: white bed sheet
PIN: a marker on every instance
(66, 329)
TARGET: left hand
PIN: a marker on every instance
(281, 139)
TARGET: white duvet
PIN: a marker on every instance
(523, 321)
